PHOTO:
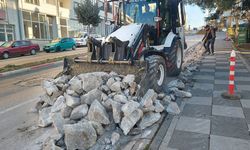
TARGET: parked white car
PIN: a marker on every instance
(81, 41)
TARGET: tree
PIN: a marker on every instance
(88, 14)
(221, 5)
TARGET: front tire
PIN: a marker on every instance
(155, 74)
(175, 59)
(33, 52)
(73, 47)
(58, 49)
(6, 55)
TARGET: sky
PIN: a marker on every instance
(195, 16)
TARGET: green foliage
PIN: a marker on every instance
(246, 5)
(212, 4)
(88, 13)
(214, 16)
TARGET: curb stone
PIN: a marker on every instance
(33, 68)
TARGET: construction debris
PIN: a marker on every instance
(85, 107)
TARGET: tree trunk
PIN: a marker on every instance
(88, 29)
(236, 26)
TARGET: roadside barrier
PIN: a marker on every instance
(230, 94)
(232, 73)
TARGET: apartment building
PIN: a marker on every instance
(43, 20)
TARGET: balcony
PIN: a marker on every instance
(2, 14)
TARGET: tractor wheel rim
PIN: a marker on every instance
(161, 72)
(179, 57)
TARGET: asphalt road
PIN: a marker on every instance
(19, 94)
(39, 57)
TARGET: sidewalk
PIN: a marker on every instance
(207, 121)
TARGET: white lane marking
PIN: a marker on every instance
(16, 106)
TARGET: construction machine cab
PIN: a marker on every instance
(161, 16)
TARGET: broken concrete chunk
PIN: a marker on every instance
(44, 117)
(116, 87)
(192, 68)
(161, 96)
(129, 107)
(66, 111)
(105, 89)
(180, 93)
(104, 97)
(132, 88)
(79, 136)
(148, 98)
(115, 138)
(128, 122)
(118, 79)
(129, 78)
(166, 100)
(176, 83)
(62, 79)
(58, 122)
(98, 127)
(107, 103)
(72, 93)
(98, 113)
(79, 112)
(47, 99)
(116, 109)
(149, 119)
(49, 87)
(158, 106)
(50, 144)
(92, 80)
(76, 84)
(92, 95)
(71, 100)
(120, 98)
(110, 82)
(59, 104)
(173, 108)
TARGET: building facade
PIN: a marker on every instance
(43, 20)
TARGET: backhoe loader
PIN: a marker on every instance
(148, 42)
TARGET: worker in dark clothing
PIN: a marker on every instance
(206, 38)
(212, 40)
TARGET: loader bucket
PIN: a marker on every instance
(78, 66)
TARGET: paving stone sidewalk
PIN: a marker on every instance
(207, 121)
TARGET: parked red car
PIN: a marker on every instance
(15, 48)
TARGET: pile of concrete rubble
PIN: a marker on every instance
(84, 107)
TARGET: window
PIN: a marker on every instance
(17, 44)
(36, 2)
(50, 21)
(2, 4)
(26, 43)
(27, 29)
(2, 37)
(36, 30)
(34, 25)
(53, 2)
(6, 32)
(64, 29)
(34, 16)
(63, 22)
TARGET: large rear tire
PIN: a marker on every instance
(175, 59)
(155, 74)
